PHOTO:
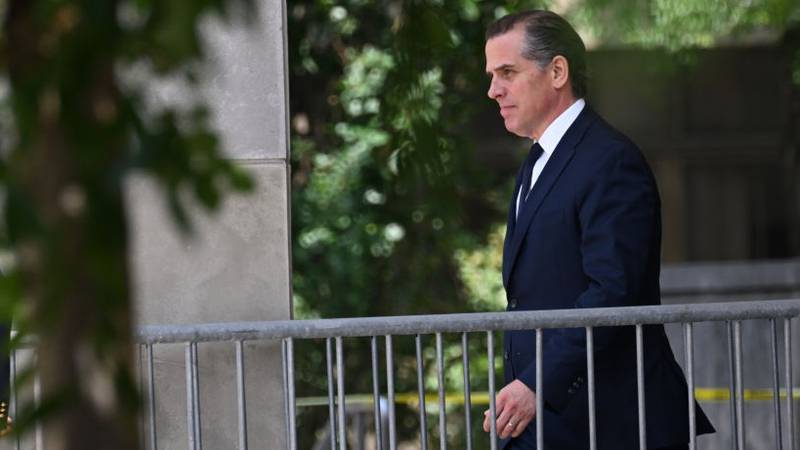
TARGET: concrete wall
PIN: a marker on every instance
(237, 266)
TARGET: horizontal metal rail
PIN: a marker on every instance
(470, 322)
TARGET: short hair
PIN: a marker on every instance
(547, 35)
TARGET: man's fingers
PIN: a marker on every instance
(515, 407)
(518, 429)
(514, 427)
(499, 409)
(508, 429)
(487, 421)
(523, 419)
(505, 424)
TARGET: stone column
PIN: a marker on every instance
(236, 266)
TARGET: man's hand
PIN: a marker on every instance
(515, 406)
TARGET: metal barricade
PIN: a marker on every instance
(779, 313)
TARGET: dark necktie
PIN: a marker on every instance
(527, 172)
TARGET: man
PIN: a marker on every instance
(584, 231)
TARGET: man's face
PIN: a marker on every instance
(523, 90)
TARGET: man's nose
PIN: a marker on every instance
(494, 90)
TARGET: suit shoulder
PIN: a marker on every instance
(602, 142)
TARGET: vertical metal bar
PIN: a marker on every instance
(390, 392)
(240, 395)
(285, 374)
(776, 383)
(640, 386)
(787, 348)
(423, 422)
(290, 385)
(689, 347)
(12, 385)
(732, 387)
(196, 398)
(492, 405)
(140, 379)
(467, 393)
(37, 400)
(737, 344)
(189, 394)
(539, 396)
(442, 406)
(151, 396)
(376, 393)
(340, 386)
(331, 398)
(590, 379)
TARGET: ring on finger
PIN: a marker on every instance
(511, 424)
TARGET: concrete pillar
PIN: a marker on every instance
(237, 265)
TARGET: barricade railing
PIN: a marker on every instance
(334, 330)
(779, 313)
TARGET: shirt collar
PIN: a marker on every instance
(556, 130)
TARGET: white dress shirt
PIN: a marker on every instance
(550, 139)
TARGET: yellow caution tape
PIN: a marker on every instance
(482, 398)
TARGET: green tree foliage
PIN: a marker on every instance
(683, 24)
(382, 169)
(72, 131)
(385, 188)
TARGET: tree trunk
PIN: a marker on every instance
(65, 194)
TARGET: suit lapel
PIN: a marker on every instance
(552, 170)
(510, 224)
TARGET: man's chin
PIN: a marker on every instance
(511, 127)
(515, 130)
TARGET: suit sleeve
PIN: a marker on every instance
(618, 216)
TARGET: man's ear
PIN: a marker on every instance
(560, 72)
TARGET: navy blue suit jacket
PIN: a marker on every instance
(590, 236)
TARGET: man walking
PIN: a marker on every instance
(584, 231)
